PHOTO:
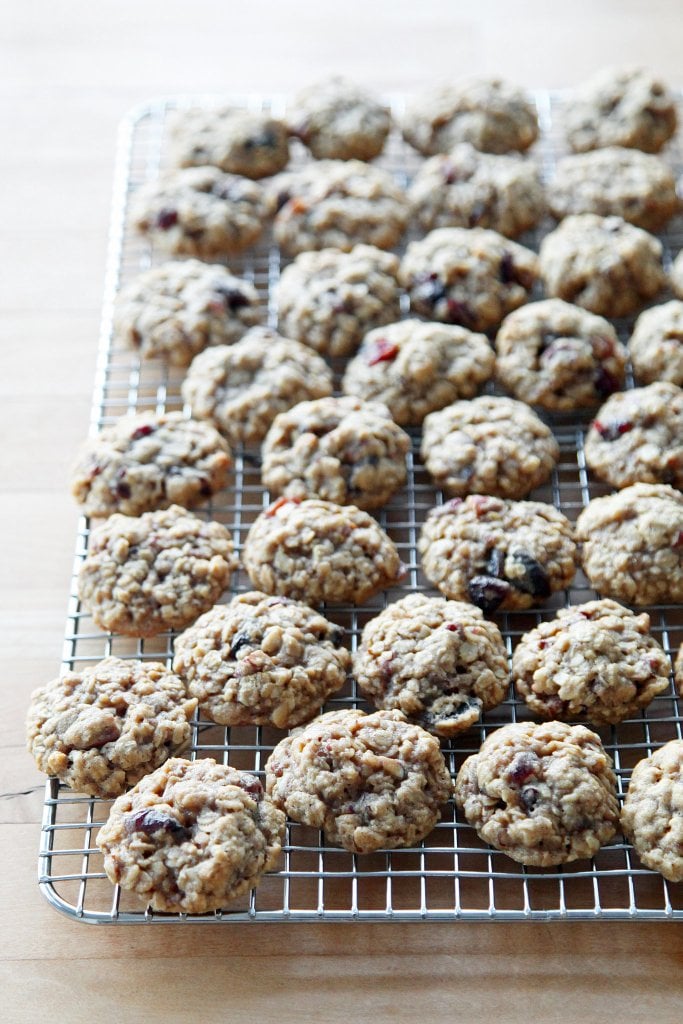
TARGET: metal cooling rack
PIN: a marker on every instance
(452, 874)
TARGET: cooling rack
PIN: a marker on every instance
(452, 875)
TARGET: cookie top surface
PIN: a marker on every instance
(488, 445)
(652, 816)
(192, 836)
(317, 551)
(498, 554)
(155, 572)
(559, 356)
(175, 310)
(337, 449)
(243, 387)
(438, 662)
(594, 660)
(247, 142)
(543, 794)
(656, 345)
(339, 120)
(414, 367)
(471, 277)
(148, 461)
(101, 729)
(368, 781)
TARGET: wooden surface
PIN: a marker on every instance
(68, 71)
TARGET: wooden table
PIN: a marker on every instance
(68, 71)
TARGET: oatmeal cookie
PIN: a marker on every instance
(543, 794)
(159, 571)
(491, 114)
(633, 544)
(100, 729)
(147, 461)
(316, 551)
(656, 345)
(414, 367)
(500, 555)
(339, 120)
(488, 445)
(602, 263)
(243, 387)
(192, 836)
(678, 671)
(247, 142)
(338, 449)
(369, 782)
(559, 356)
(594, 660)
(637, 435)
(329, 299)
(438, 662)
(472, 277)
(652, 816)
(469, 189)
(261, 661)
(621, 107)
(676, 276)
(176, 310)
(200, 211)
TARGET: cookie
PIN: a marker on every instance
(652, 816)
(243, 387)
(637, 435)
(261, 661)
(602, 263)
(338, 204)
(489, 113)
(656, 345)
(337, 449)
(632, 546)
(414, 368)
(192, 836)
(147, 461)
(543, 794)
(678, 671)
(176, 310)
(488, 445)
(317, 551)
(339, 120)
(471, 277)
(329, 299)
(676, 276)
(500, 555)
(559, 356)
(156, 572)
(369, 782)
(469, 189)
(621, 107)
(200, 211)
(615, 182)
(247, 142)
(438, 662)
(595, 661)
(100, 729)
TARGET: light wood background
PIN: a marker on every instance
(68, 70)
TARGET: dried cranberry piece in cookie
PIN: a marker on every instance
(522, 767)
(167, 219)
(611, 431)
(487, 592)
(151, 820)
(382, 351)
(528, 575)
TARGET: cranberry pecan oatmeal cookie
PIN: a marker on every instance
(156, 572)
(246, 142)
(438, 662)
(652, 816)
(488, 445)
(241, 388)
(147, 461)
(543, 794)
(369, 782)
(100, 729)
(594, 660)
(656, 345)
(472, 277)
(192, 836)
(339, 120)
(261, 661)
(559, 356)
(500, 555)
(414, 367)
(338, 449)
(317, 551)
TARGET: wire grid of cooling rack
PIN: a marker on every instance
(452, 875)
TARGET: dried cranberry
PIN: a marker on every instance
(507, 268)
(522, 767)
(143, 431)
(123, 489)
(240, 640)
(605, 382)
(611, 431)
(382, 351)
(279, 504)
(150, 820)
(678, 543)
(487, 592)
(528, 798)
(205, 488)
(533, 579)
(453, 627)
(602, 346)
(166, 218)
(251, 784)
(459, 313)
(233, 298)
